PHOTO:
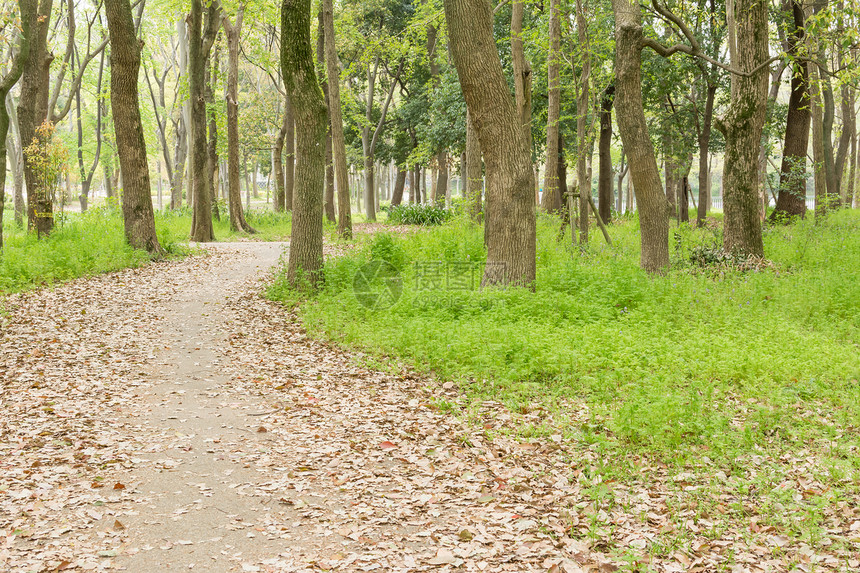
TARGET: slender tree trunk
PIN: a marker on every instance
(131, 147)
(17, 162)
(791, 200)
(742, 126)
(704, 146)
(280, 197)
(297, 64)
(653, 219)
(583, 153)
(604, 178)
(344, 223)
(233, 32)
(551, 200)
(510, 180)
(522, 71)
(27, 9)
(32, 111)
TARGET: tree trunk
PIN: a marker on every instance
(344, 223)
(791, 200)
(704, 146)
(619, 199)
(27, 9)
(522, 71)
(87, 176)
(474, 170)
(131, 147)
(653, 219)
(32, 111)
(200, 41)
(604, 178)
(510, 181)
(583, 151)
(399, 184)
(17, 162)
(306, 239)
(280, 198)
(742, 126)
(233, 32)
(551, 200)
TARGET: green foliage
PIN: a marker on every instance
(84, 245)
(417, 214)
(679, 364)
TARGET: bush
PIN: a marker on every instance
(417, 214)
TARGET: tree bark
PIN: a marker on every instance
(131, 147)
(474, 170)
(653, 218)
(280, 198)
(791, 200)
(87, 176)
(604, 177)
(212, 149)
(17, 162)
(742, 126)
(344, 222)
(510, 180)
(233, 32)
(551, 200)
(306, 254)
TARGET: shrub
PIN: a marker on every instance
(418, 214)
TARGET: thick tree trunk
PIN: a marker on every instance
(604, 177)
(344, 222)
(131, 147)
(791, 200)
(32, 111)
(233, 32)
(653, 219)
(306, 239)
(474, 170)
(551, 200)
(742, 126)
(510, 180)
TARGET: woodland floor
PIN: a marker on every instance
(171, 418)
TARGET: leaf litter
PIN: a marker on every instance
(357, 469)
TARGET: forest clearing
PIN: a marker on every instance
(429, 285)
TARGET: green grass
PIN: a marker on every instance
(94, 242)
(721, 362)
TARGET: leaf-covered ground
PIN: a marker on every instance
(169, 417)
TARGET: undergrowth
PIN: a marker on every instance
(725, 362)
